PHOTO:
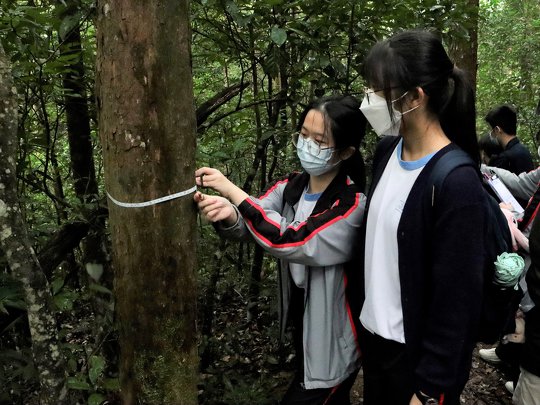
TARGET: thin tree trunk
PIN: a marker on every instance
(82, 153)
(147, 128)
(21, 258)
(77, 116)
(210, 303)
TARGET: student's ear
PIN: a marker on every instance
(346, 153)
(416, 97)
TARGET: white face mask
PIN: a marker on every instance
(314, 164)
(376, 111)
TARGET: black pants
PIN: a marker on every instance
(509, 352)
(388, 378)
(338, 395)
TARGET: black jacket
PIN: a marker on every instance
(441, 273)
(531, 350)
(515, 158)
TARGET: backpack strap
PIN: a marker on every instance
(447, 163)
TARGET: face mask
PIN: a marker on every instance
(376, 111)
(538, 151)
(314, 164)
(492, 135)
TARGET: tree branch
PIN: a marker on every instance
(208, 107)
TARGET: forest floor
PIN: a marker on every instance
(246, 365)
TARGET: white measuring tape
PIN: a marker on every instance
(152, 202)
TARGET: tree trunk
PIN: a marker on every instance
(465, 52)
(21, 258)
(81, 151)
(147, 128)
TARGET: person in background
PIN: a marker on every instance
(525, 187)
(310, 222)
(522, 186)
(489, 148)
(515, 156)
(422, 274)
(527, 391)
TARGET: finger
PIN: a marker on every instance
(198, 196)
(211, 206)
(205, 171)
(206, 203)
(202, 170)
(214, 215)
(204, 199)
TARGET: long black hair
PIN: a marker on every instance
(417, 58)
(347, 125)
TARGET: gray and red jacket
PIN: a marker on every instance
(326, 244)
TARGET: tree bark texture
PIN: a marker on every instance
(147, 129)
(464, 52)
(21, 258)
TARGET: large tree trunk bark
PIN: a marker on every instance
(147, 128)
(21, 258)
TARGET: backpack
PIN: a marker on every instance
(499, 303)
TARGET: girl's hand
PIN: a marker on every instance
(214, 179)
(215, 208)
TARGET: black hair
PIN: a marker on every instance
(416, 58)
(503, 116)
(489, 145)
(347, 125)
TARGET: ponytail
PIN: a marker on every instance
(458, 114)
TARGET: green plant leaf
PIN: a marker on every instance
(78, 383)
(100, 288)
(56, 285)
(97, 365)
(278, 35)
(64, 300)
(95, 399)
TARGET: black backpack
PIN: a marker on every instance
(499, 303)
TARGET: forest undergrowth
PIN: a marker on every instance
(249, 366)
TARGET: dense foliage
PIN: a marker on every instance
(508, 69)
(255, 64)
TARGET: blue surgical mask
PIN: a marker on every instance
(315, 164)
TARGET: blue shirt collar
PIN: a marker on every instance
(414, 164)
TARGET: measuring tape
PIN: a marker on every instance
(152, 202)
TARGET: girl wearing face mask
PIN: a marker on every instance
(421, 283)
(309, 221)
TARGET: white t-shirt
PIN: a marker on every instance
(382, 313)
(303, 211)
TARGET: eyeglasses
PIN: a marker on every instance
(314, 147)
(371, 92)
